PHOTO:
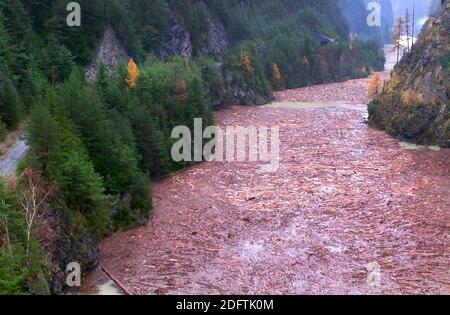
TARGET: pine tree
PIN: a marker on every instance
(150, 141)
(102, 81)
(43, 135)
(83, 189)
(10, 104)
(35, 84)
(397, 33)
(6, 58)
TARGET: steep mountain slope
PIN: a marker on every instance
(415, 105)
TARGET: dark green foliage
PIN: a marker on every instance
(99, 142)
(285, 32)
(213, 81)
(150, 140)
(92, 153)
(152, 21)
(59, 153)
(3, 131)
(167, 95)
(10, 104)
(6, 57)
(83, 190)
(20, 272)
(446, 62)
(43, 134)
(58, 62)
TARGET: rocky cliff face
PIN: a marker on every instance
(178, 39)
(65, 243)
(109, 52)
(214, 40)
(415, 105)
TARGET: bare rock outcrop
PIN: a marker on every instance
(109, 52)
(178, 40)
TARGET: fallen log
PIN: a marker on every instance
(117, 282)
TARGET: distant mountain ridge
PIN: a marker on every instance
(356, 13)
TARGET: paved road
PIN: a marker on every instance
(9, 161)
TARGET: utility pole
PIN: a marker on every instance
(407, 26)
(413, 22)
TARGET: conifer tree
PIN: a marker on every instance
(397, 33)
(6, 58)
(43, 135)
(10, 104)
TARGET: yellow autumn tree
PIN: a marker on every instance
(305, 61)
(375, 86)
(277, 78)
(276, 73)
(246, 61)
(409, 97)
(393, 84)
(133, 74)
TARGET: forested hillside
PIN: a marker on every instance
(414, 105)
(96, 145)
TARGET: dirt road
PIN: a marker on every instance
(350, 211)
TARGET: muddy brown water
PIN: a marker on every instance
(345, 198)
